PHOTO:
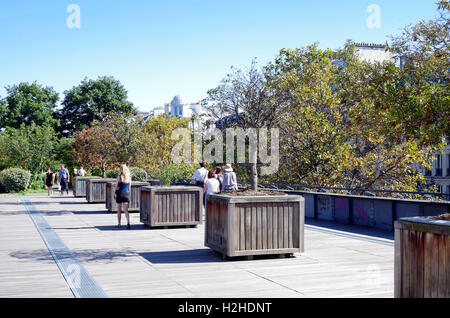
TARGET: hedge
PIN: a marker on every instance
(14, 180)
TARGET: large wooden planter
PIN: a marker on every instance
(248, 226)
(79, 186)
(96, 189)
(135, 196)
(171, 206)
(422, 258)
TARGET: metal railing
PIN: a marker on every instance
(432, 196)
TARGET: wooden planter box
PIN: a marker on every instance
(96, 189)
(422, 258)
(171, 206)
(79, 186)
(154, 182)
(247, 226)
(135, 196)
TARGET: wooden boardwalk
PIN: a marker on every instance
(143, 262)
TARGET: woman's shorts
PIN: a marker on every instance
(122, 198)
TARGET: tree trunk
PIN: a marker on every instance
(103, 170)
(254, 169)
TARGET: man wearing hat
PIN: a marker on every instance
(229, 178)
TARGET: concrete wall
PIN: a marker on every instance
(379, 213)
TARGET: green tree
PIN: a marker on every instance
(28, 147)
(421, 107)
(90, 100)
(156, 152)
(28, 103)
(107, 144)
(333, 135)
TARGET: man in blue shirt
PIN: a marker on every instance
(64, 179)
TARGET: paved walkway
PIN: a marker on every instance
(338, 261)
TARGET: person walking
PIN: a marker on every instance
(200, 175)
(122, 194)
(64, 179)
(219, 177)
(212, 184)
(49, 179)
(229, 178)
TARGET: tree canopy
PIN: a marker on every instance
(89, 100)
(26, 104)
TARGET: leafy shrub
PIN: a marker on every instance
(113, 173)
(176, 171)
(138, 174)
(37, 182)
(14, 180)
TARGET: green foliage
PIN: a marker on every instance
(157, 143)
(29, 147)
(26, 104)
(14, 180)
(112, 173)
(175, 171)
(138, 174)
(90, 100)
(109, 143)
(37, 182)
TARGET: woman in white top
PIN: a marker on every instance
(212, 185)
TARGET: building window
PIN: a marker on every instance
(438, 165)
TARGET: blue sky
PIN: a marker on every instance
(158, 49)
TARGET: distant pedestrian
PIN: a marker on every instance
(229, 178)
(64, 179)
(74, 175)
(200, 175)
(81, 172)
(219, 177)
(122, 194)
(212, 184)
(49, 179)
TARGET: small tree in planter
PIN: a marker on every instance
(246, 101)
(253, 223)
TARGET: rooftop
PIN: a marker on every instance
(339, 261)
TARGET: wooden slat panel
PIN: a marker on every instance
(291, 225)
(443, 285)
(296, 227)
(269, 226)
(435, 266)
(248, 226)
(265, 229)
(275, 226)
(258, 227)
(413, 263)
(419, 261)
(253, 228)
(406, 262)
(241, 214)
(427, 265)
(280, 226)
